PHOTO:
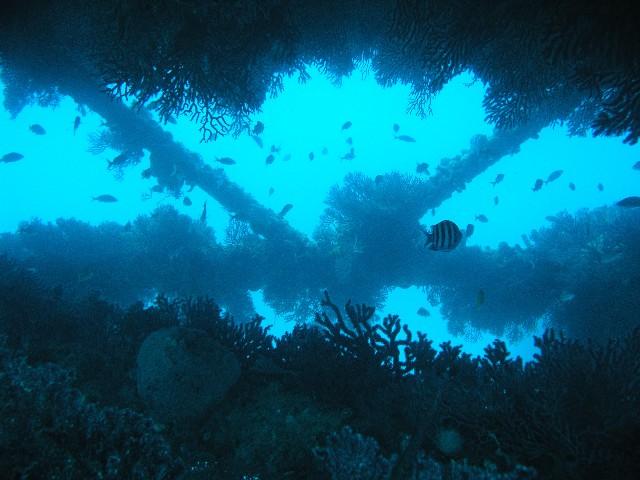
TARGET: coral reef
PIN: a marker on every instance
(50, 430)
(540, 68)
(270, 431)
(350, 455)
(569, 274)
(570, 413)
(68, 399)
(537, 63)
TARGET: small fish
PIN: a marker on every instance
(480, 298)
(636, 166)
(554, 176)
(258, 140)
(567, 297)
(105, 198)
(76, 124)
(258, 128)
(629, 202)
(496, 200)
(379, 179)
(157, 189)
(270, 158)
(423, 312)
(572, 186)
(203, 215)
(600, 187)
(225, 160)
(444, 236)
(551, 218)
(538, 185)
(498, 179)
(311, 156)
(346, 125)
(286, 158)
(423, 168)
(405, 138)
(349, 156)
(275, 149)
(325, 150)
(285, 210)
(186, 201)
(11, 157)
(396, 128)
(482, 218)
(146, 173)
(433, 212)
(37, 129)
(469, 230)
(271, 190)
(349, 140)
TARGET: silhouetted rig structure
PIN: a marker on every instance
(218, 60)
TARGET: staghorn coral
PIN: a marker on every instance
(361, 338)
(510, 412)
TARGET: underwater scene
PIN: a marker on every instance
(319, 239)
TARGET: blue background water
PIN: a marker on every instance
(58, 176)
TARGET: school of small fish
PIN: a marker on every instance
(444, 236)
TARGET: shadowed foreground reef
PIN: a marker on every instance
(91, 390)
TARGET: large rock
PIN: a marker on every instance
(183, 372)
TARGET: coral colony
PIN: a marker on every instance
(133, 351)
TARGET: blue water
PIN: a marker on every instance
(58, 176)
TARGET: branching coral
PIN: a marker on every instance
(362, 337)
(199, 59)
(248, 340)
(350, 455)
(55, 431)
(216, 62)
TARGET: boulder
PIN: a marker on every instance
(182, 373)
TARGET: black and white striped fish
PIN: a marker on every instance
(443, 236)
